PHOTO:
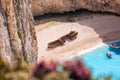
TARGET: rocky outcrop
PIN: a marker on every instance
(40, 7)
(17, 34)
(5, 48)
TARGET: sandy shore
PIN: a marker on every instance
(91, 31)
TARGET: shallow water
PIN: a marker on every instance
(101, 65)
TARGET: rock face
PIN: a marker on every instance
(40, 7)
(17, 34)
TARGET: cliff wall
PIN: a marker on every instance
(40, 7)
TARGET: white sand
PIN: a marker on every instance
(90, 32)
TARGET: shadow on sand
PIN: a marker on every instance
(97, 26)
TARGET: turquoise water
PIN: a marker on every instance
(100, 65)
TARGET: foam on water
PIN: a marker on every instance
(100, 65)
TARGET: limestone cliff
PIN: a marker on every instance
(17, 34)
(59, 6)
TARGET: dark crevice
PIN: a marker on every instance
(68, 15)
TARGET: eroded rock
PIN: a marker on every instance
(17, 34)
(59, 6)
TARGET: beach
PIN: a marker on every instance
(91, 31)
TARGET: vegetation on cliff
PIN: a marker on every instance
(17, 34)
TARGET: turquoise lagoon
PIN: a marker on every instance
(101, 65)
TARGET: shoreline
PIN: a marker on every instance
(91, 32)
(86, 50)
(113, 41)
(90, 49)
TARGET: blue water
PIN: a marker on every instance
(100, 65)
